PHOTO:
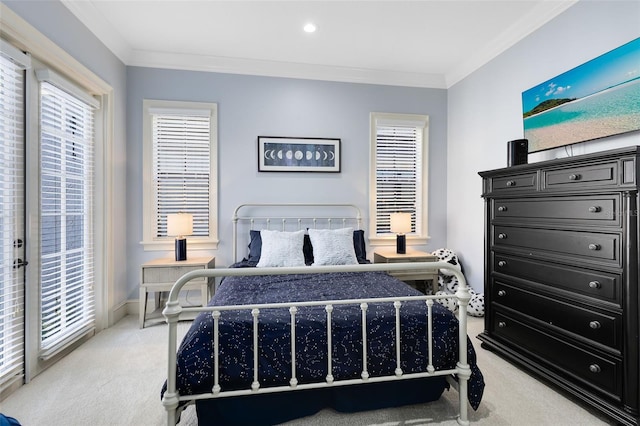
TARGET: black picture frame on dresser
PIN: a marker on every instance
(561, 275)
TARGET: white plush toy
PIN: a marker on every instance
(450, 304)
(448, 284)
(446, 255)
(476, 305)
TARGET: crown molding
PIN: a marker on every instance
(518, 30)
(283, 69)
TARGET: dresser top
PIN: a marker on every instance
(565, 161)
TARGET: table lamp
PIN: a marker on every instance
(179, 225)
(400, 225)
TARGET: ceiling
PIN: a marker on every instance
(425, 43)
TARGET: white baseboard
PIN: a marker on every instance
(132, 307)
(119, 312)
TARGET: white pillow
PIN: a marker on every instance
(281, 248)
(333, 246)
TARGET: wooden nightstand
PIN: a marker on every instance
(390, 256)
(161, 274)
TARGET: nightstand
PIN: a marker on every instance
(390, 256)
(161, 274)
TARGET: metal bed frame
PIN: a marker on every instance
(171, 399)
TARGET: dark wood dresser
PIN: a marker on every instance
(561, 275)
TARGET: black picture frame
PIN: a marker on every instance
(298, 154)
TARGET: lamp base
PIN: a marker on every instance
(401, 244)
(181, 249)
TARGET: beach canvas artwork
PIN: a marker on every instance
(597, 99)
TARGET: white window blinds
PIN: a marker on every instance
(398, 174)
(399, 171)
(66, 208)
(12, 107)
(182, 167)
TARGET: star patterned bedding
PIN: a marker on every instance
(195, 358)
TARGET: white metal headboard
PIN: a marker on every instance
(293, 216)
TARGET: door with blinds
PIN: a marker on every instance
(12, 224)
(66, 206)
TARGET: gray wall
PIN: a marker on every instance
(249, 107)
(485, 110)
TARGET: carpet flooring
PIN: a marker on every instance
(115, 379)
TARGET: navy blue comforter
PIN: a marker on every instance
(195, 361)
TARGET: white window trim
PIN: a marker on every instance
(149, 241)
(416, 120)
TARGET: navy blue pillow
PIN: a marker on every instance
(359, 246)
(307, 249)
(255, 247)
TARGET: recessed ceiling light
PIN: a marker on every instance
(310, 28)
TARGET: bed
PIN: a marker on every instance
(330, 328)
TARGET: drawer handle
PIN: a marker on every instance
(594, 325)
(574, 177)
(502, 236)
(595, 284)
(595, 368)
(594, 247)
(511, 183)
(502, 208)
(595, 209)
(502, 293)
(502, 324)
(502, 263)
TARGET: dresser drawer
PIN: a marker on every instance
(588, 245)
(597, 284)
(169, 274)
(605, 329)
(599, 210)
(576, 177)
(599, 372)
(520, 182)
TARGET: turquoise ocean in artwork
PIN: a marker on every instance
(620, 100)
(611, 111)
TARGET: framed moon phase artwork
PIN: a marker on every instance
(290, 154)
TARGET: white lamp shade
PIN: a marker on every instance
(400, 223)
(179, 224)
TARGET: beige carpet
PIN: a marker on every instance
(116, 377)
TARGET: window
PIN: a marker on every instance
(180, 170)
(399, 159)
(66, 213)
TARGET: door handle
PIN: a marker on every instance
(19, 263)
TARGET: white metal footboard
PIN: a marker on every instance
(173, 309)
